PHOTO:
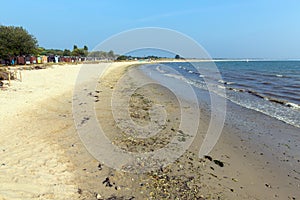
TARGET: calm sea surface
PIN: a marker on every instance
(270, 87)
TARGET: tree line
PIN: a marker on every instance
(81, 52)
(16, 41)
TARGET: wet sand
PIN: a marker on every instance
(42, 156)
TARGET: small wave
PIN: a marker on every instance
(229, 83)
(267, 98)
(275, 100)
(256, 94)
(180, 77)
(282, 102)
(268, 75)
(292, 105)
(249, 78)
(293, 86)
(236, 89)
(190, 72)
(158, 68)
(225, 82)
(266, 83)
(201, 76)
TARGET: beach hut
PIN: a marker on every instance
(68, 59)
(51, 59)
(39, 60)
(61, 59)
(2, 62)
(44, 59)
(27, 60)
(20, 60)
(32, 59)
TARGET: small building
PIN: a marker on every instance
(44, 59)
(27, 60)
(32, 59)
(39, 59)
(20, 60)
(2, 61)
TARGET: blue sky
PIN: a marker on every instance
(231, 28)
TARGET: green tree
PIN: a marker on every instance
(75, 52)
(177, 56)
(67, 52)
(48, 52)
(86, 50)
(82, 52)
(16, 41)
(75, 47)
(40, 51)
(78, 52)
(110, 54)
(123, 57)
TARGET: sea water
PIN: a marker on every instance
(269, 87)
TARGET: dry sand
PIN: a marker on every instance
(32, 166)
(38, 136)
(42, 156)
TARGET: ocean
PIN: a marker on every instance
(269, 87)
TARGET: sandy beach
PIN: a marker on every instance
(33, 165)
(42, 156)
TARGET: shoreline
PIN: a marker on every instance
(243, 162)
(252, 140)
(39, 144)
